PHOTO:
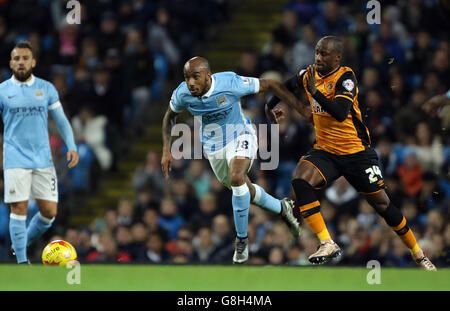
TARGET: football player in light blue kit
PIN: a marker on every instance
(228, 138)
(25, 101)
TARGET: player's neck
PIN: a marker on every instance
(323, 74)
(207, 87)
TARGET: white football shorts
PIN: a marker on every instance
(245, 145)
(22, 184)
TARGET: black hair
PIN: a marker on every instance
(24, 45)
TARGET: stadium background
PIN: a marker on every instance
(115, 73)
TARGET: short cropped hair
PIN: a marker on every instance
(25, 45)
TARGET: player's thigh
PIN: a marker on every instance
(318, 168)
(17, 184)
(44, 184)
(220, 167)
(362, 171)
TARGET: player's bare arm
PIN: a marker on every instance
(166, 160)
(282, 92)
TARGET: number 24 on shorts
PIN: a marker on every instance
(373, 172)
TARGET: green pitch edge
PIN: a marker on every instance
(223, 278)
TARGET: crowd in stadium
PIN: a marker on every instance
(124, 56)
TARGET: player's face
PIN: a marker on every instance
(326, 58)
(197, 80)
(22, 63)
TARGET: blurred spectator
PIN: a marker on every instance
(125, 212)
(342, 195)
(429, 149)
(410, 174)
(406, 119)
(303, 50)
(149, 175)
(367, 217)
(154, 251)
(203, 245)
(124, 240)
(248, 64)
(170, 219)
(288, 31)
(388, 158)
(159, 37)
(198, 177)
(139, 74)
(91, 129)
(108, 252)
(274, 59)
(207, 211)
(331, 21)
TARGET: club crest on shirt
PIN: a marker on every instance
(348, 84)
(221, 99)
(39, 94)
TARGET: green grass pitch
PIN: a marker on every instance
(218, 278)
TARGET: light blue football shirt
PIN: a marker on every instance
(24, 108)
(220, 108)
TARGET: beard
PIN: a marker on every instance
(22, 76)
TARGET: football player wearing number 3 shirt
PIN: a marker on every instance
(342, 148)
(25, 101)
(228, 138)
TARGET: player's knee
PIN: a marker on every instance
(49, 214)
(237, 178)
(19, 208)
(300, 183)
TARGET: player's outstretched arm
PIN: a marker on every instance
(166, 160)
(65, 130)
(284, 94)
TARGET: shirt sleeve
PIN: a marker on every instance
(53, 97)
(175, 103)
(245, 85)
(64, 127)
(346, 86)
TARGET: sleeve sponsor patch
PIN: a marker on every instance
(348, 84)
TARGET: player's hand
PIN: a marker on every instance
(166, 163)
(311, 79)
(275, 115)
(72, 158)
